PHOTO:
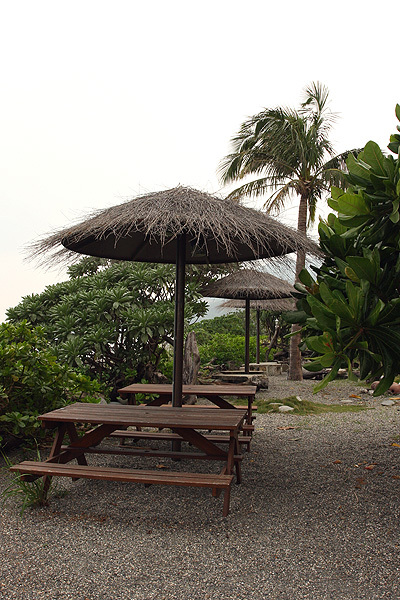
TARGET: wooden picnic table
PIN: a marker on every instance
(187, 423)
(213, 393)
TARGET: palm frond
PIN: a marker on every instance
(276, 201)
(287, 150)
(254, 189)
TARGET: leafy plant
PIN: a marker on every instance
(19, 424)
(350, 307)
(32, 381)
(230, 324)
(29, 494)
(223, 349)
(113, 320)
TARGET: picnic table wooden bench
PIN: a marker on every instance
(217, 481)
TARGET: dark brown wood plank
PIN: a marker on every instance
(163, 416)
(167, 435)
(152, 452)
(195, 390)
(125, 475)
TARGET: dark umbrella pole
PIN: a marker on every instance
(258, 338)
(247, 337)
(179, 320)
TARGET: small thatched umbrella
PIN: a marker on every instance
(247, 285)
(180, 226)
(276, 305)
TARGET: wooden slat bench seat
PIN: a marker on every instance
(213, 481)
(166, 435)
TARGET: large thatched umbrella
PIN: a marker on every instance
(180, 226)
(276, 305)
(247, 285)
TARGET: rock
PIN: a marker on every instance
(299, 399)
(261, 381)
(374, 385)
(395, 388)
(363, 391)
(387, 403)
(346, 401)
(371, 392)
(285, 409)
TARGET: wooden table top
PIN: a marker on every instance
(195, 390)
(147, 416)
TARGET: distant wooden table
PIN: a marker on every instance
(186, 423)
(213, 393)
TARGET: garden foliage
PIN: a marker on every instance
(350, 310)
(221, 340)
(112, 320)
(32, 381)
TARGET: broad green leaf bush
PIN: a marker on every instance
(350, 307)
(32, 381)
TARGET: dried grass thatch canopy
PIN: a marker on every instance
(249, 284)
(276, 305)
(147, 228)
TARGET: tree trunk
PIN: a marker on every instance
(191, 365)
(272, 343)
(295, 372)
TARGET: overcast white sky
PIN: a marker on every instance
(102, 100)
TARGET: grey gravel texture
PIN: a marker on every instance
(309, 521)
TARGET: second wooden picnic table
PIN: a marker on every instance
(214, 393)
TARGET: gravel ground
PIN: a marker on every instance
(308, 521)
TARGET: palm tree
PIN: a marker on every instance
(290, 153)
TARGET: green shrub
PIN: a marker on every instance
(223, 349)
(33, 382)
(112, 319)
(231, 324)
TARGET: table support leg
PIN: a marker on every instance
(73, 436)
(53, 456)
(227, 497)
